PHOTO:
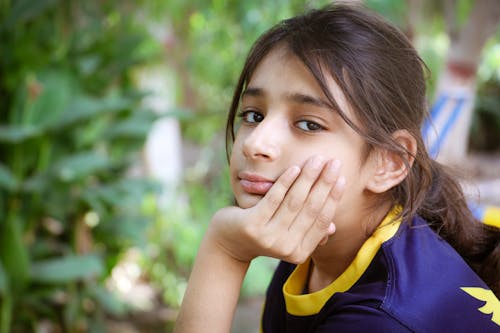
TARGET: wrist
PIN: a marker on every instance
(213, 245)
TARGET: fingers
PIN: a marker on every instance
(297, 196)
(331, 231)
(314, 223)
(273, 199)
(297, 213)
(325, 219)
(313, 207)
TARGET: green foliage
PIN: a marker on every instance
(70, 127)
(485, 130)
(258, 276)
(72, 124)
(210, 43)
(181, 221)
(392, 10)
(66, 269)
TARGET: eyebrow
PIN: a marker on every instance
(294, 97)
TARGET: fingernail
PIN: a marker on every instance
(332, 169)
(291, 174)
(331, 228)
(317, 162)
(294, 171)
(341, 182)
(335, 165)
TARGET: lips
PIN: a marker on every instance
(254, 184)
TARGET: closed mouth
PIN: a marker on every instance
(254, 184)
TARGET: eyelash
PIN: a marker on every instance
(245, 114)
(317, 127)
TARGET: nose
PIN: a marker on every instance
(263, 142)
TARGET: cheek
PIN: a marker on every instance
(235, 157)
(237, 145)
(235, 161)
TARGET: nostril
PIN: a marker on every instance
(263, 141)
(260, 148)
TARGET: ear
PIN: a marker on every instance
(389, 167)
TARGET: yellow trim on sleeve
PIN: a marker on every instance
(491, 305)
(492, 216)
(299, 304)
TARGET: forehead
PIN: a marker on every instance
(281, 72)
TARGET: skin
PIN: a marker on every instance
(285, 120)
(304, 187)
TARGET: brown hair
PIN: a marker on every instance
(383, 79)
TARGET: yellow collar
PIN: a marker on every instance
(299, 304)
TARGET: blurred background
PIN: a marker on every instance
(112, 154)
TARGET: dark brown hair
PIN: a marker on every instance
(383, 79)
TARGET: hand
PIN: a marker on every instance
(290, 221)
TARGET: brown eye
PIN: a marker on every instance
(251, 116)
(309, 126)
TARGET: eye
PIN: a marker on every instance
(309, 126)
(251, 117)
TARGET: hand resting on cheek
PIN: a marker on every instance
(290, 221)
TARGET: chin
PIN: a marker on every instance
(248, 200)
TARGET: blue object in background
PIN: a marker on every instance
(443, 116)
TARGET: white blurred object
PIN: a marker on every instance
(163, 148)
(163, 151)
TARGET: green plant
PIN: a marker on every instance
(70, 127)
(209, 42)
(206, 47)
(485, 130)
(180, 223)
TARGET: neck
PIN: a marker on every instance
(332, 259)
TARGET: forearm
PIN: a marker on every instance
(213, 290)
(269, 228)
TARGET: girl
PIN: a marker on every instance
(331, 176)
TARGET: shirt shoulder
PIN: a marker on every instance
(429, 285)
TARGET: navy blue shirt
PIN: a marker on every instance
(405, 278)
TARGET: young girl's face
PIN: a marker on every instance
(285, 120)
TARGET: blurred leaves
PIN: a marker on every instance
(81, 165)
(485, 129)
(72, 125)
(7, 179)
(25, 10)
(66, 269)
(13, 254)
(107, 300)
(206, 48)
(73, 122)
(17, 134)
(3, 281)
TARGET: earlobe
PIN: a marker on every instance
(391, 168)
